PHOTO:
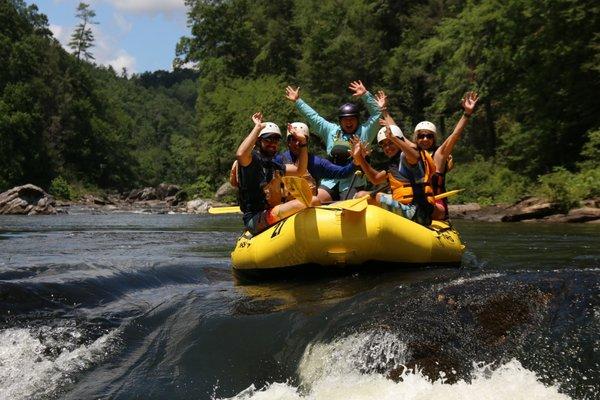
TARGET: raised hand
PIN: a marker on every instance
(381, 99)
(300, 138)
(469, 102)
(388, 132)
(358, 88)
(292, 94)
(356, 150)
(257, 118)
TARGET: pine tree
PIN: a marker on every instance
(83, 38)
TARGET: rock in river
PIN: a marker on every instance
(26, 200)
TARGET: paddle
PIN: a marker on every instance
(299, 188)
(448, 194)
(224, 210)
(358, 205)
(358, 173)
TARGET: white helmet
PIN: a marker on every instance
(301, 128)
(425, 126)
(395, 131)
(270, 129)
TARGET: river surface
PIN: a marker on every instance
(140, 306)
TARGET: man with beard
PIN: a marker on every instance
(337, 135)
(261, 190)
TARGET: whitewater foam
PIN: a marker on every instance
(356, 368)
(37, 363)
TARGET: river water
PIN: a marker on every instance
(140, 306)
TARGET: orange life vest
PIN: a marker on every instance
(402, 186)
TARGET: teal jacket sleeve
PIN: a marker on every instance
(319, 125)
(370, 127)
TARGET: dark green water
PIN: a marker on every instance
(132, 306)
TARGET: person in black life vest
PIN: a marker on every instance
(425, 138)
(261, 192)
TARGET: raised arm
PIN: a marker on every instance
(320, 126)
(244, 151)
(408, 148)
(370, 126)
(374, 176)
(381, 99)
(469, 102)
(300, 169)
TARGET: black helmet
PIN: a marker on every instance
(349, 110)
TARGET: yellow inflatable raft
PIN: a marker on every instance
(345, 234)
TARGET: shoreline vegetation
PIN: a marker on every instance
(77, 129)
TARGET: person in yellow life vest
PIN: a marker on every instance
(425, 138)
(408, 174)
(259, 177)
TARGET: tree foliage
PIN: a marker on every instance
(537, 74)
(64, 118)
(534, 62)
(82, 39)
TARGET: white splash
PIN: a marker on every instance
(355, 368)
(367, 352)
(28, 371)
(462, 281)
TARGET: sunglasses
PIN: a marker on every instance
(272, 139)
(425, 136)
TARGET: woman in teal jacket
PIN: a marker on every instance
(337, 135)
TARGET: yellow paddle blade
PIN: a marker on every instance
(299, 188)
(224, 210)
(447, 194)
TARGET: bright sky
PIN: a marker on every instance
(139, 35)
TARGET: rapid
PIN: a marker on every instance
(144, 306)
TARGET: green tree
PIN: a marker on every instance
(82, 38)
(534, 71)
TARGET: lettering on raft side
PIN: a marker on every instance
(277, 228)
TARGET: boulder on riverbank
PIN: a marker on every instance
(27, 200)
(226, 192)
(161, 192)
(529, 209)
(197, 206)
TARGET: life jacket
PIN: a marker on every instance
(260, 184)
(406, 189)
(312, 182)
(438, 181)
(274, 190)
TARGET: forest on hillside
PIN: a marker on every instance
(535, 63)
(68, 119)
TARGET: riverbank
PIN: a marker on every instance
(169, 199)
(529, 209)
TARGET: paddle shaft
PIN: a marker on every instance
(357, 173)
